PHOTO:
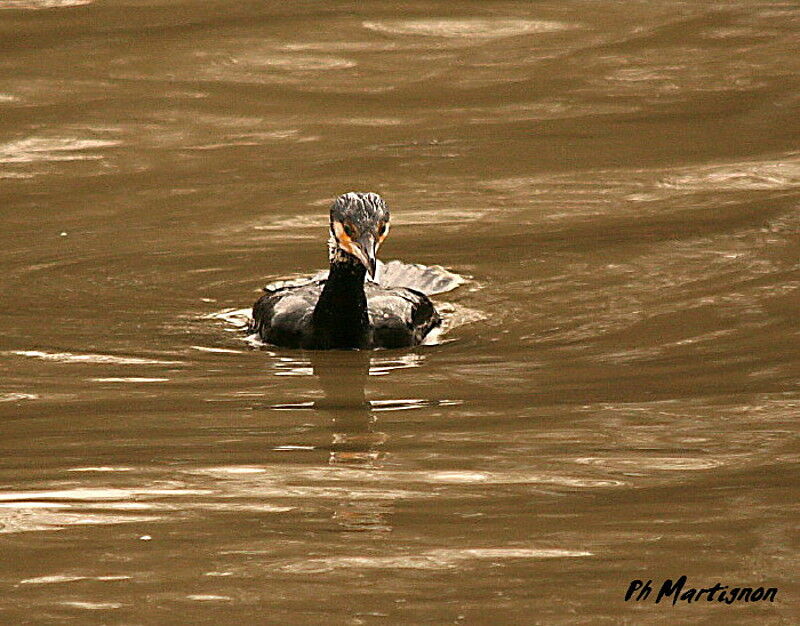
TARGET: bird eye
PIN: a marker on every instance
(348, 230)
(382, 230)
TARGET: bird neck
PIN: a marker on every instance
(340, 317)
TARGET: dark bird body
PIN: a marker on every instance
(340, 309)
(344, 312)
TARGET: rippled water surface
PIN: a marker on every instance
(618, 399)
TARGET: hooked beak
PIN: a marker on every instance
(364, 249)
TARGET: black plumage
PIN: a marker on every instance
(340, 309)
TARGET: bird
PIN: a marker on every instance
(359, 303)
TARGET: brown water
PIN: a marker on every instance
(621, 181)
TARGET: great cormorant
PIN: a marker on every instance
(340, 309)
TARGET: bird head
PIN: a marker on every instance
(359, 224)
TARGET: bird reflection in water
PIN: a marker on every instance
(343, 377)
(355, 440)
(356, 451)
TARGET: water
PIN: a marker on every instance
(619, 180)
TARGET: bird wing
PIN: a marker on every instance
(283, 315)
(400, 316)
(426, 279)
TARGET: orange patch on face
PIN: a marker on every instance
(342, 237)
(385, 233)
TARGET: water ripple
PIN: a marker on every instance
(465, 28)
(70, 357)
(433, 559)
